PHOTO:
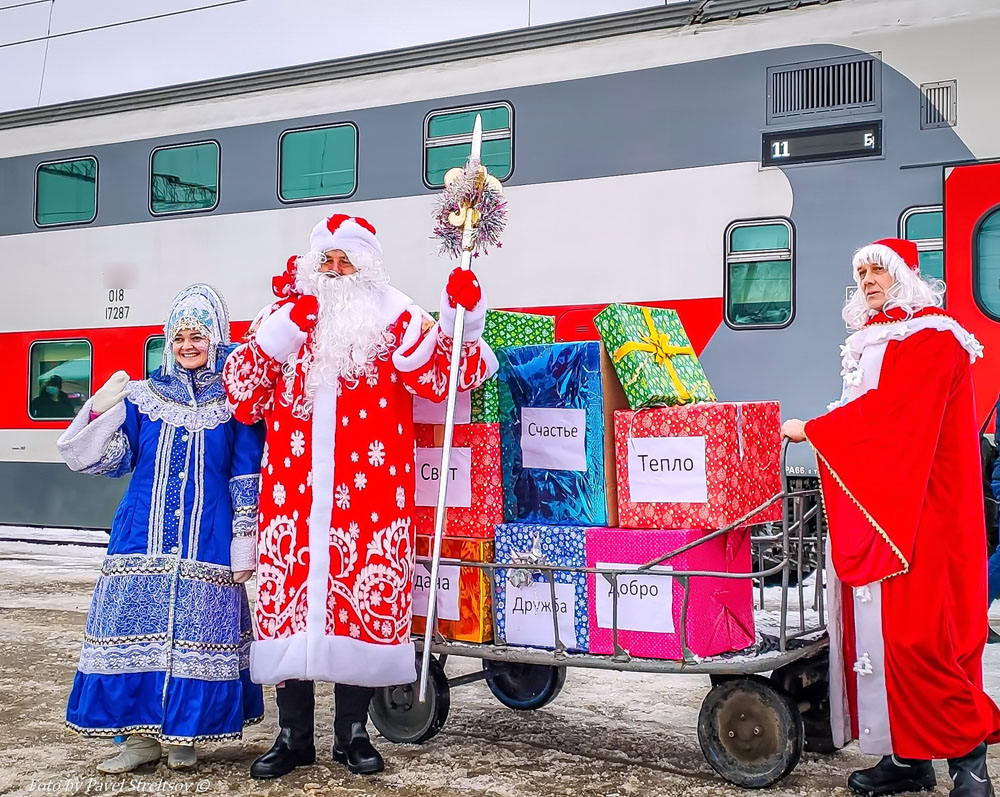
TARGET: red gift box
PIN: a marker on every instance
(475, 492)
(703, 465)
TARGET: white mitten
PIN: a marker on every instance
(111, 392)
(278, 336)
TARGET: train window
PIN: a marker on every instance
(760, 278)
(59, 378)
(184, 178)
(986, 263)
(154, 354)
(66, 192)
(924, 226)
(317, 163)
(448, 141)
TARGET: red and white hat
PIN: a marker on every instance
(894, 254)
(347, 233)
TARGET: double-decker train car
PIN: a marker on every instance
(722, 158)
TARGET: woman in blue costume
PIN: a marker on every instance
(166, 649)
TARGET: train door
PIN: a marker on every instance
(972, 266)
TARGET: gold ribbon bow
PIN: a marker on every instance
(658, 344)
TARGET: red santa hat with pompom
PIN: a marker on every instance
(895, 254)
(347, 233)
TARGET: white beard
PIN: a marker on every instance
(350, 333)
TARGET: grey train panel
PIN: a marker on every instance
(50, 494)
(673, 117)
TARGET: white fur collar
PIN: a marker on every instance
(880, 334)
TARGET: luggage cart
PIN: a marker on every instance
(767, 703)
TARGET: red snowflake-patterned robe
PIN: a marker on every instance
(907, 542)
(336, 526)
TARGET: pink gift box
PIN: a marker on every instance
(720, 614)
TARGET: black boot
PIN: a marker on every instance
(970, 776)
(351, 745)
(294, 745)
(893, 775)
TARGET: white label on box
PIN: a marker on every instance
(667, 470)
(528, 615)
(645, 603)
(553, 439)
(459, 480)
(447, 592)
(427, 411)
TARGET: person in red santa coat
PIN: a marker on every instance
(332, 368)
(899, 469)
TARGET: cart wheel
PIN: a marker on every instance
(750, 732)
(524, 686)
(400, 717)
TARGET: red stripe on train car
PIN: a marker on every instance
(125, 348)
(111, 349)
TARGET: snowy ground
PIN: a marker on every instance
(606, 734)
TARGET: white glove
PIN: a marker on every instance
(111, 392)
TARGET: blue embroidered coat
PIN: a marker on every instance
(166, 648)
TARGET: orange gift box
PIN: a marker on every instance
(474, 606)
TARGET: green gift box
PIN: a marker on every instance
(652, 356)
(486, 402)
(504, 329)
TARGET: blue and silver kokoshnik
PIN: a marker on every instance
(198, 307)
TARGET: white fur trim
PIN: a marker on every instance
(278, 336)
(881, 254)
(393, 304)
(333, 659)
(324, 440)
(350, 236)
(420, 356)
(880, 334)
(874, 734)
(243, 553)
(83, 444)
(475, 319)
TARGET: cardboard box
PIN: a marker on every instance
(556, 406)
(720, 613)
(475, 491)
(702, 465)
(652, 356)
(464, 596)
(524, 596)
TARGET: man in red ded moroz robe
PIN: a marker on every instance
(899, 468)
(332, 368)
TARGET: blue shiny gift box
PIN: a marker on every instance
(556, 402)
(523, 596)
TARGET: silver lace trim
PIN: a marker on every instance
(194, 419)
(155, 657)
(114, 453)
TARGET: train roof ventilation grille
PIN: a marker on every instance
(939, 104)
(828, 88)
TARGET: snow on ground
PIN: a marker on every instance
(606, 734)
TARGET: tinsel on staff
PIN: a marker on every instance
(467, 190)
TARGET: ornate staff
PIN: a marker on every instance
(470, 217)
